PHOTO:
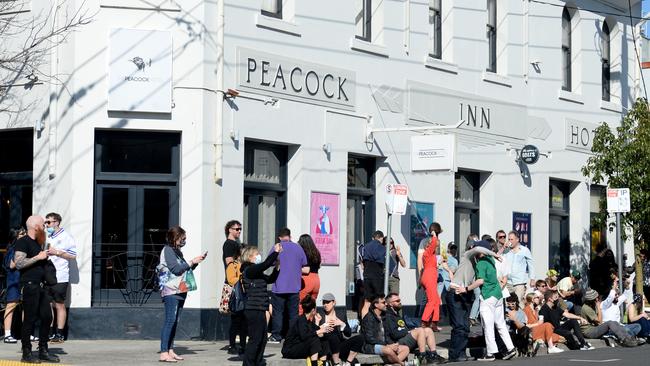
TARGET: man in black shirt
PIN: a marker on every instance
(553, 314)
(30, 260)
(374, 258)
(231, 252)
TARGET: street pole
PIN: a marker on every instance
(619, 249)
(387, 263)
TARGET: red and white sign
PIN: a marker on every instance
(618, 199)
(396, 198)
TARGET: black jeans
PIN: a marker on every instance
(237, 327)
(459, 307)
(254, 353)
(280, 304)
(305, 349)
(36, 306)
(354, 344)
(565, 330)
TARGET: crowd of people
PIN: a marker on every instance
(493, 281)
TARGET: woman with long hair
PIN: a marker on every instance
(174, 297)
(636, 315)
(13, 282)
(428, 273)
(256, 308)
(311, 281)
(539, 330)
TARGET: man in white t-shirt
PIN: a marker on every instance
(61, 249)
(569, 289)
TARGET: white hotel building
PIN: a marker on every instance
(196, 112)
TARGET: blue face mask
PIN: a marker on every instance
(49, 230)
(258, 258)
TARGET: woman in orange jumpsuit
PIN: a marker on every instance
(428, 267)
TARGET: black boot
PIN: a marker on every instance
(46, 356)
(28, 357)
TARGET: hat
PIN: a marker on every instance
(551, 273)
(328, 297)
(484, 244)
(591, 295)
(576, 274)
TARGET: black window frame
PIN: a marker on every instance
(471, 208)
(277, 13)
(606, 63)
(366, 13)
(491, 33)
(435, 20)
(567, 72)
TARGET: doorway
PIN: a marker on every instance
(16, 166)
(133, 211)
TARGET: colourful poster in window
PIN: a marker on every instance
(421, 217)
(324, 226)
(521, 222)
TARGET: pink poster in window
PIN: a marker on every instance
(324, 226)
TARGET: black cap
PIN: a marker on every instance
(484, 244)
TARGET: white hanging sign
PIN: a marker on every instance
(618, 199)
(396, 198)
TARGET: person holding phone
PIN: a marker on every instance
(174, 299)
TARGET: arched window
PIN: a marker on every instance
(566, 50)
(605, 62)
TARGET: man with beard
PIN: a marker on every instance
(30, 260)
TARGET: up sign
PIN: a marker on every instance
(294, 79)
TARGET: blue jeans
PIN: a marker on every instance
(280, 303)
(632, 329)
(458, 307)
(173, 307)
(645, 327)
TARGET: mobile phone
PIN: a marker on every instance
(205, 254)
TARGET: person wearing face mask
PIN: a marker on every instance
(570, 329)
(174, 297)
(61, 248)
(256, 308)
(30, 259)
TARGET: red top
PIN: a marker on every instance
(429, 259)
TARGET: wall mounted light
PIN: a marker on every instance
(327, 147)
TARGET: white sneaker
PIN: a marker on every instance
(555, 349)
(33, 338)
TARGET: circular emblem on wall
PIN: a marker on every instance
(529, 154)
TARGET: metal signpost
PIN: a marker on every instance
(396, 202)
(618, 200)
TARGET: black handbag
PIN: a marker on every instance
(49, 277)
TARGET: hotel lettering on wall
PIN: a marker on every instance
(579, 135)
(297, 80)
(475, 115)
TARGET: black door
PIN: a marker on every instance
(16, 165)
(132, 214)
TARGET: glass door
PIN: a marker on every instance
(358, 230)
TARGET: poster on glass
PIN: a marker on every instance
(324, 226)
(521, 222)
(421, 217)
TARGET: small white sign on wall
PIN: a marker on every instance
(433, 152)
(140, 71)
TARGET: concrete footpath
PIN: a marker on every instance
(121, 352)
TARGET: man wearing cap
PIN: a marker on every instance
(596, 327)
(570, 290)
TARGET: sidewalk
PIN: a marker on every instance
(121, 352)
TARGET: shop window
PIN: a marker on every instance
(467, 206)
(136, 202)
(559, 243)
(16, 166)
(360, 219)
(265, 191)
(597, 223)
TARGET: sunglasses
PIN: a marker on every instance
(326, 302)
(501, 237)
(235, 228)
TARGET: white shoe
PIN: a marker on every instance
(33, 338)
(555, 349)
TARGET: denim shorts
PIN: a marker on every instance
(378, 349)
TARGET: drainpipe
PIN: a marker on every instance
(526, 41)
(218, 138)
(53, 105)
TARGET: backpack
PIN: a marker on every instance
(237, 301)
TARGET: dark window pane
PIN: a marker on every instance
(115, 232)
(16, 151)
(360, 172)
(136, 152)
